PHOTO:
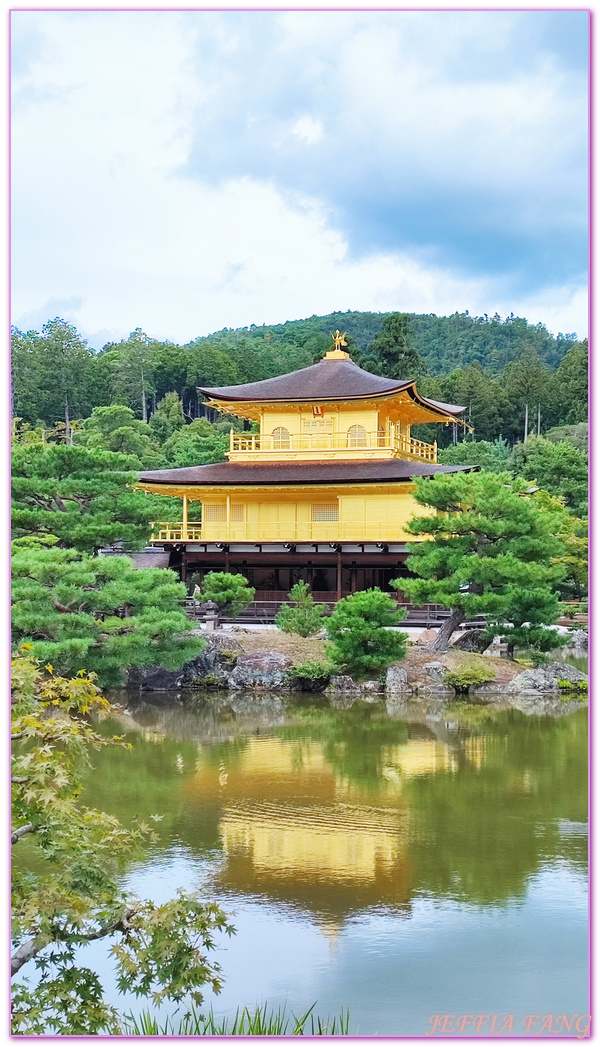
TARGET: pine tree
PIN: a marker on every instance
(84, 497)
(230, 592)
(303, 616)
(360, 640)
(97, 612)
(491, 552)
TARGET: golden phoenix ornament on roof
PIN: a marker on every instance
(339, 339)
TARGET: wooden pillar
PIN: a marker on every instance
(353, 577)
(185, 518)
(228, 515)
(227, 558)
(339, 575)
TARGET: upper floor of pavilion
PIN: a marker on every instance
(331, 410)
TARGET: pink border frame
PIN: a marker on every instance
(591, 375)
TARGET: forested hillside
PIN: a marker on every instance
(496, 368)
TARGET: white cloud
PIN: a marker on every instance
(109, 220)
(309, 129)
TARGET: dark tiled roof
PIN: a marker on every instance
(450, 408)
(389, 470)
(325, 380)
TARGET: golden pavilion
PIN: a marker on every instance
(321, 493)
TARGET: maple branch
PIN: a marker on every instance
(22, 831)
(33, 946)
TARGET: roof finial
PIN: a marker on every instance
(337, 353)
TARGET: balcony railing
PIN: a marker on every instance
(318, 442)
(176, 532)
(330, 531)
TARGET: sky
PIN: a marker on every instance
(186, 171)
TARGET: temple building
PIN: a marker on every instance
(321, 493)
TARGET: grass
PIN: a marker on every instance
(259, 1022)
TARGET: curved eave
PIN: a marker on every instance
(251, 408)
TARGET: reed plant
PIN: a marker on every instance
(262, 1021)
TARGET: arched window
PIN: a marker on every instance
(357, 436)
(281, 439)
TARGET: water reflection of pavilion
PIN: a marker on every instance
(297, 829)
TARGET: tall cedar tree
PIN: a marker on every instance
(491, 551)
(393, 348)
(72, 893)
(84, 497)
(97, 612)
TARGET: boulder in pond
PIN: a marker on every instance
(396, 679)
(436, 671)
(345, 684)
(544, 679)
(154, 678)
(214, 665)
(264, 669)
(578, 638)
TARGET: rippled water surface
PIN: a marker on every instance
(402, 863)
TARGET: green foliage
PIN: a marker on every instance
(469, 358)
(488, 455)
(260, 1022)
(83, 496)
(53, 374)
(488, 407)
(312, 675)
(392, 351)
(361, 641)
(168, 418)
(573, 534)
(491, 553)
(116, 428)
(537, 658)
(199, 443)
(99, 612)
(74, 896)
(130, 367)
(557, 467)
(230, 592)
(468, 676)
(303, 616)
(573, 434)
(572, 689)
(572, 384)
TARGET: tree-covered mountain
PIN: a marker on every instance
(498, 369)
(444, 342)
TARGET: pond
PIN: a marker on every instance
(416, 861)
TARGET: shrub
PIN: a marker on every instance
(469, 675)
(303, 616)
(537, 658)
(361, 641)
(230, 592)
(312, 676)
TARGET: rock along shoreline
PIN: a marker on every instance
(232, 662)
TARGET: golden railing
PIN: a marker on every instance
(176, 532)
(254, 443)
